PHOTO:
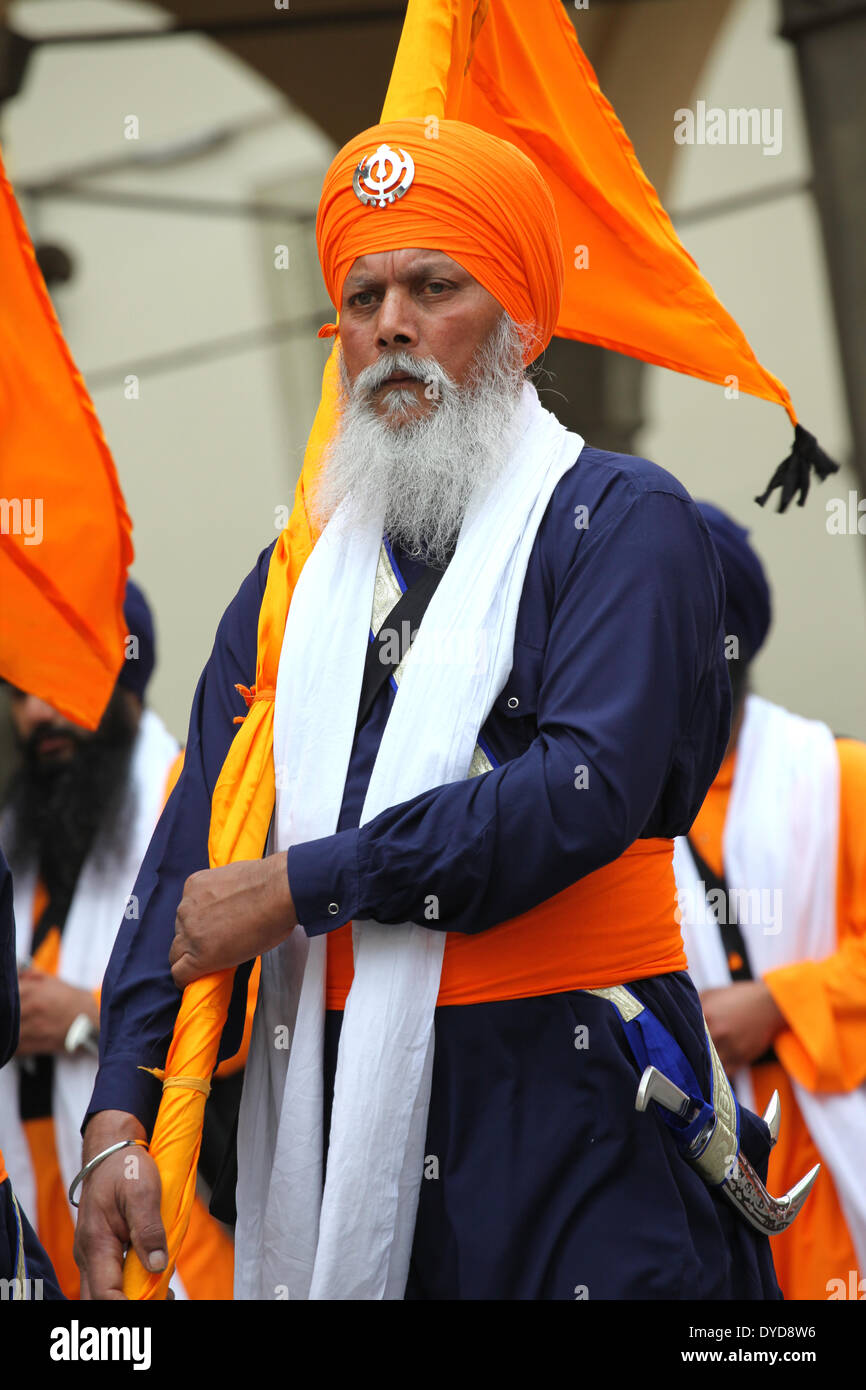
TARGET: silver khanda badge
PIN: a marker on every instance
(383, 176)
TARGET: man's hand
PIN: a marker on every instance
(119, 1206)
(743, 1020)
(231, 915)
(48, 1008)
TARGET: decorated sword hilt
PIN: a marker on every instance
(736, 1179)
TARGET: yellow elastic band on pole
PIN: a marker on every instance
(188, 1083)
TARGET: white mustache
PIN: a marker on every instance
(424, 369)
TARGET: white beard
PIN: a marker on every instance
(419, 475)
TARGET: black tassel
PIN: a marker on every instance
(794, 474)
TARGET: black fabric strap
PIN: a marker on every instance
(380, 660)
(732, 936)
(36, 1072)
(733, 941)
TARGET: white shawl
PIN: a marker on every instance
(354, 1240)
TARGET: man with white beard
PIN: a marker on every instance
(466, 909)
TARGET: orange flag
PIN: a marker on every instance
(516, 70)
(65, 541)
(630, 284)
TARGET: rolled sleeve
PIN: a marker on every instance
(122, 1085)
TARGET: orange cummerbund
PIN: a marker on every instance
(614, 925)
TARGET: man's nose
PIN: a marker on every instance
(396, 321)
(32, 712)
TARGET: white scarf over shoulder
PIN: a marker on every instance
(352, 1238)
(781, 841)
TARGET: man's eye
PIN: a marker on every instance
(362, 299)
(436, 286)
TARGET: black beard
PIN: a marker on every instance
(58, 812)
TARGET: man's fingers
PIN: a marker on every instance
(181, 962)
(104, 1274)
(183, 972)
(26, 992)
(119, 1206)
(146, 1231)
(100, 1236)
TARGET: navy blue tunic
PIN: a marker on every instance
(618, 668)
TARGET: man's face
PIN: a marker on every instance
(417, 302)
(69, 785)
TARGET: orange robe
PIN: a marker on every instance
(823, 1045)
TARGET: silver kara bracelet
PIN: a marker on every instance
(94, 1163)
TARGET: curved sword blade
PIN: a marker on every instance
(772, 1117)
(770, 1215)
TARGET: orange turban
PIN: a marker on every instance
(470, 195)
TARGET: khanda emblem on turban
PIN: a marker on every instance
(383, 177)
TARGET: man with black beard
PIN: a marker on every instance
(68, 789)
(69, 799)
(76, 821)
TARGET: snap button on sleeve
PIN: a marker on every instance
(513, 702)
(333, 908)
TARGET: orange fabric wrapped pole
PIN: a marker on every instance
(177, 1135)
(65, 542)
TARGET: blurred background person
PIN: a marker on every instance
(24, 1265)
(78, 815)
(772, 889)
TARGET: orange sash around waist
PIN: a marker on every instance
(617, 924)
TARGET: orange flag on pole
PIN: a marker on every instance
(65, 541)
(517, 71)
